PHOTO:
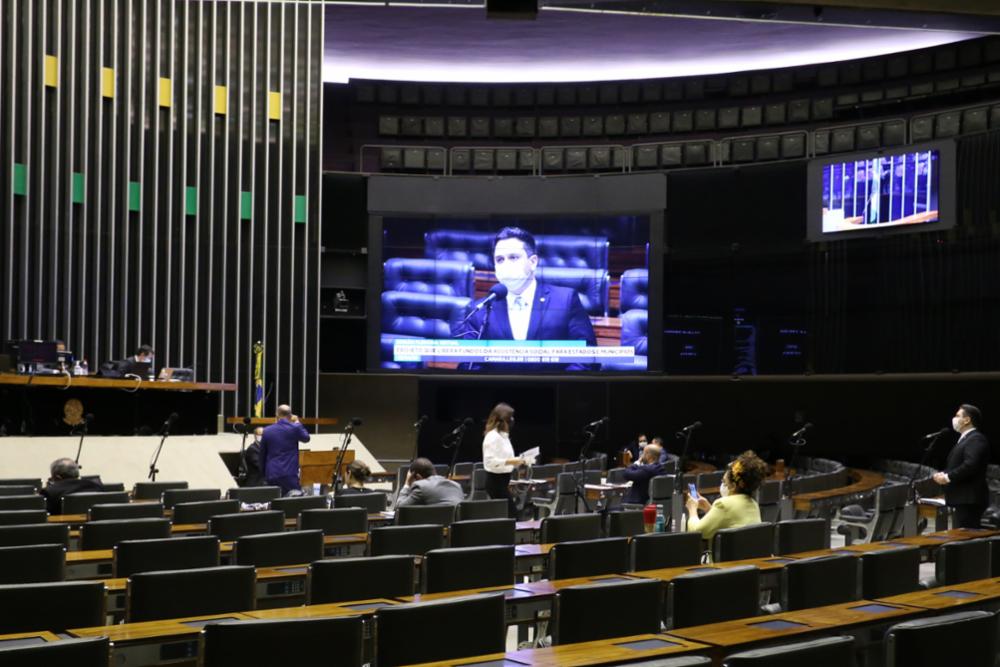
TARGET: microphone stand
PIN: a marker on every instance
(156, 457)
(242, 476)
(581, 489)
(797, 444)
(348, 433)
(79, 447)
(455, 444)
(682, 461)
(913, 495)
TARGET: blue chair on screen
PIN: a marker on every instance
(634, 290)
(460, 245)
(634, 326)
(429, 276)
(576, 252)
(405, 314)
(590, 284)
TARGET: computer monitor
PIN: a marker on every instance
(140, 368)
(37, 352)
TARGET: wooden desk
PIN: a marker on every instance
(154, 642)
(353, 608)
(584, 654)
(306, 421)
(946, 597)
(862, 482)
(26, 638)
(745, 632)
(94, 382)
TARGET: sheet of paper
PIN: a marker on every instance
(531, 455)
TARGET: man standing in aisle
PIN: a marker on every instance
(964, 476)
(279, 450)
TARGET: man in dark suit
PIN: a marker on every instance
(64, 479)
(639, 473)
(279, 450)
(964, 476)
(532, 310)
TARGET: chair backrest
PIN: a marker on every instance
(616, 476)
(106, 534)
(154, 490)
(604, 610)
(151, 596)
(546, 471)
(22, 481)
(24, 490)
(587, 558)
(176, 495)
(591, 286)
(756, 541)
(769, 500)
(479, 492)
(416, 515)
(199, 511)
(340, 521)
(423, 315)
(625, 523)
(994, 555)
(463, 468)
(32, 564)
(467, 567)
(890, 572)
(228, 527)
(30, 501)
(661, 490)
(823, 652)
(570, 527)
(817, 582)
(108, 486)
(939, 640)
(254, 494)
(298, 641)
(428, 276)
(34, 533)
(797, 535)
(471, 510)
(368, 578)
(714, 596)
(27, 607)
(475, 626)
(172, 553)
(635, 290)
(372, 502)
(295, 505)
(92, 652)
(483, 532)
(125, 511)
(956, 562)
(21, 517)
(710, 480)
(283, 548)
(653, 551)
(412, 540)
(80, 503)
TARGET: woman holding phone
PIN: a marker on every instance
(499, 460)
(735, 506)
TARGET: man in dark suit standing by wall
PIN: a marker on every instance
(964, 476)
(279, 450)
(532, 310)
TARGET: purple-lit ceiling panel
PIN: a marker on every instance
(460, 44)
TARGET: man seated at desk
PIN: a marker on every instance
(424, 487)
(639, 473)
(64, 479)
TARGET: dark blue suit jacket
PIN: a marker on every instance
(279, 449)
(640, 474)
(556, 314)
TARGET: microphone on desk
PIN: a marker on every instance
(802, 431)
(689, 428)
(943, 431)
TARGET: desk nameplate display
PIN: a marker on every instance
(962, 595)
(647, 644)
(778, 624)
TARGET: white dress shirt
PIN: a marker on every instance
(496, 451)
(519, 310)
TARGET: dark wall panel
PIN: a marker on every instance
(136, 127)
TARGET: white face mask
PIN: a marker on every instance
(513, 266)
(956, 424)
(723, 490)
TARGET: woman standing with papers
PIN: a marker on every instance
(499, 460)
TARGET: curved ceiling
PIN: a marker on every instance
(459, 44)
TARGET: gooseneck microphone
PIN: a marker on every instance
(420, 422)
(498, 291)
(931, 436)
(599, 422)
(691, 427)
(802, 431)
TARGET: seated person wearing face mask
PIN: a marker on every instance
(639, 473)
(532, 310)
(736, 506)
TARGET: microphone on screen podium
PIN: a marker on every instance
(498, 291)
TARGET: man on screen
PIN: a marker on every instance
(532, 310)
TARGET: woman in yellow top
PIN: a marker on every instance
(736, 506)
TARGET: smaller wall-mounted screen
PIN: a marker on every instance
(906, 190)
(515, 294)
